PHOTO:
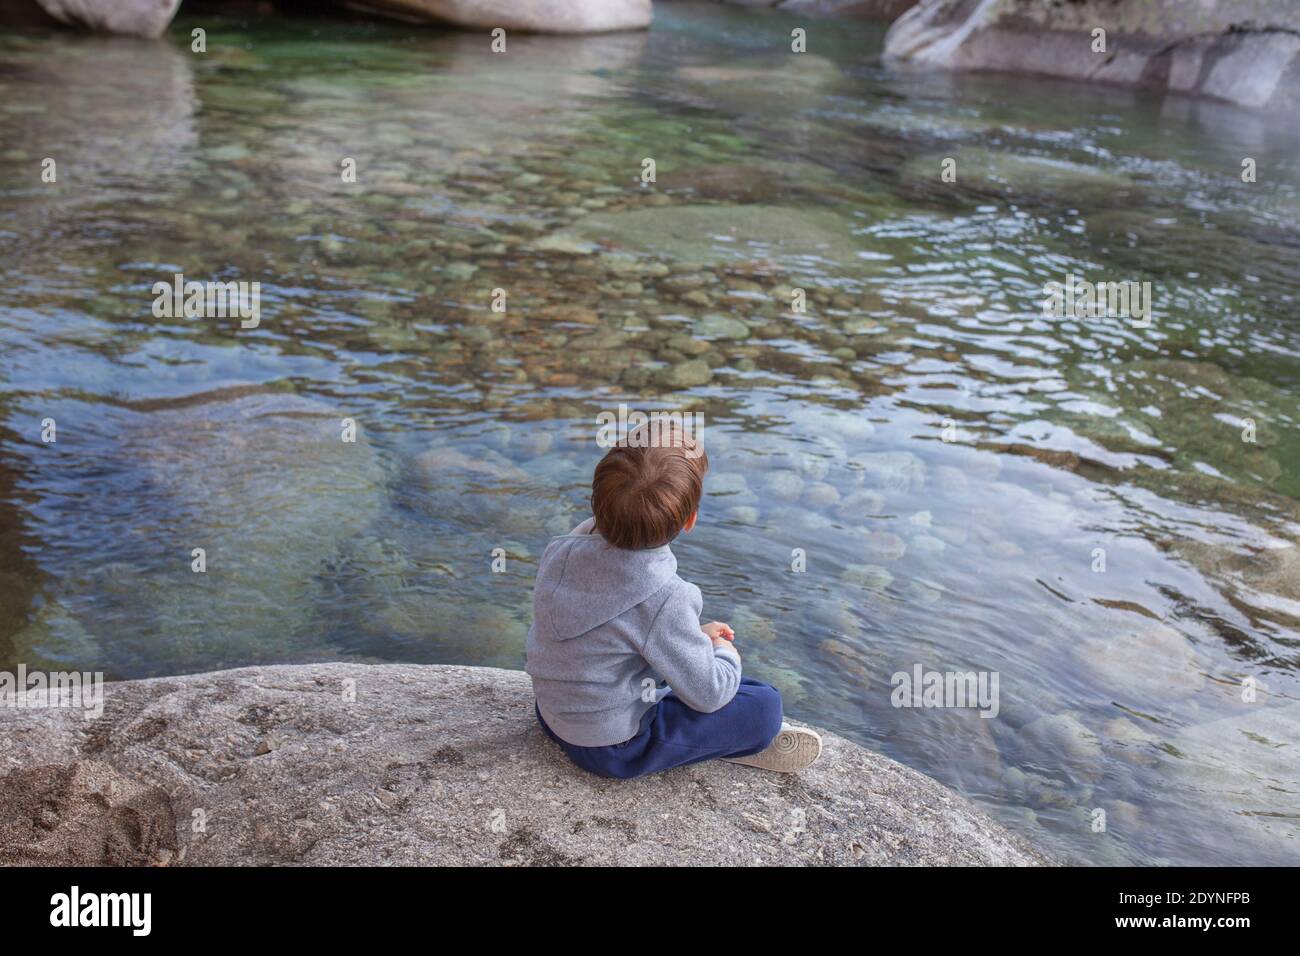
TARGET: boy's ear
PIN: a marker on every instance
(690, 523)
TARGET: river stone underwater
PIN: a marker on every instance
(1120, 689)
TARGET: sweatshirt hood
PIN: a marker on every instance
(584, 582)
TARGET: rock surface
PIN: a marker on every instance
(149, 18)
(142, 18)
(857, 9)
(1245, 52)
(539, 16)
(331, 764)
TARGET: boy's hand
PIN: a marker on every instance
(718, 631)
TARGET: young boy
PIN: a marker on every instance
(627, 680)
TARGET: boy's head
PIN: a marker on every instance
(645, 493)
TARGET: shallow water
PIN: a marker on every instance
(948, 460)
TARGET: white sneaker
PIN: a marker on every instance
(793, 749)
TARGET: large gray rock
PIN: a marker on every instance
(429, 765)
(538, 16)
(1245, 52)
(857, 9)
(142, 18)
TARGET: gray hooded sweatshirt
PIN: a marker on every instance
(610, 627)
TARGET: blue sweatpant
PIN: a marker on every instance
(673, 735)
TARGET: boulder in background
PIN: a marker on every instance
(1245, 52)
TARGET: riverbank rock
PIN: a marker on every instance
(141, 18)
(330, 764)
(83, 814)
(855, 9)
(1245, 52)
(536, 16)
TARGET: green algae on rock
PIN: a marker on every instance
(999, 173)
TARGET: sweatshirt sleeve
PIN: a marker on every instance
(703, 676)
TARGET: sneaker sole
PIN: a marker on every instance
(794, 749)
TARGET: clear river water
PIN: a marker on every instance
(1103, 512)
